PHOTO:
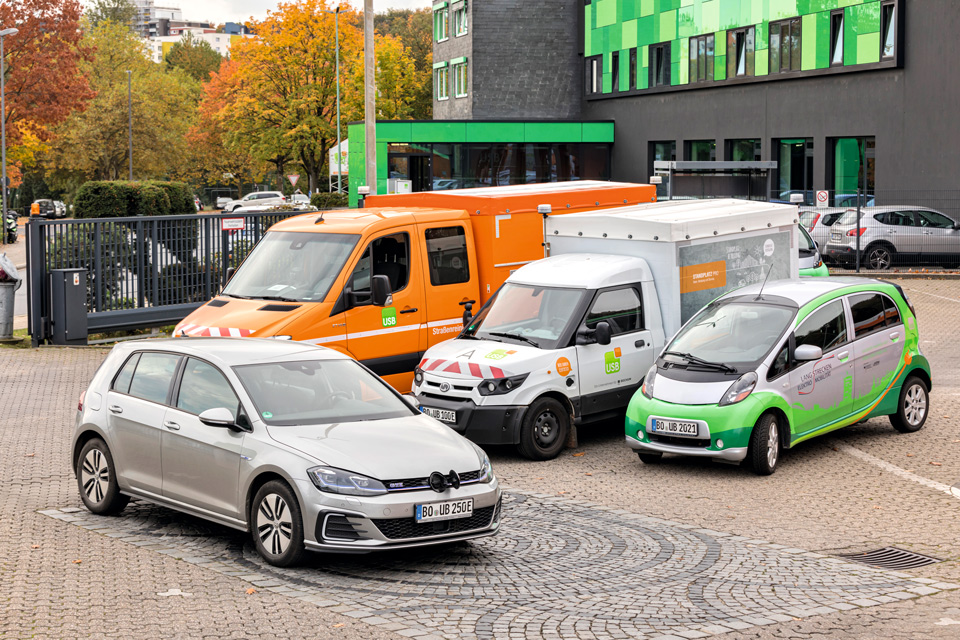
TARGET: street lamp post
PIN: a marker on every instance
(336, 27)
(130, 118)
(3, 129)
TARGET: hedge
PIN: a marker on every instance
(120, 199)
(321, 201)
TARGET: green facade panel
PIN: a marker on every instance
(493, 132)
(621, 25)
(596, 132)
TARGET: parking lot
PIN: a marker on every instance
(594, 543)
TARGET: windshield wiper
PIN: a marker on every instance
(515, 336)
(233, 295)
(277, 298)
(692, 359)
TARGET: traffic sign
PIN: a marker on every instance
(823, 197)
(293, 177)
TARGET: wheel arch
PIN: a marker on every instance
(85, 436)
(784, 430)
(261, 478)
(562, 399)
(921, 373)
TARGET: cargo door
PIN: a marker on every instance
(387, 339)
(449, 277)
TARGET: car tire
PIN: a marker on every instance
(879, 257)
(544, 430)
(913, 408)
(764, 449)
(97, 479)
(649, 457)
(276, 524)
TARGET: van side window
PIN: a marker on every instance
(387, 256)
(891, 312)
(447, 255)
(825, 328)
(152, 378)
(122, 382)
(868, 314)
(621, 309)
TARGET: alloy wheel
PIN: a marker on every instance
(773, 444)
(274, 524)
(95, 475)
(879, 259)
(915, 405)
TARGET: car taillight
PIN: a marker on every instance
(80, 403)
(853, 233)
(813, 223)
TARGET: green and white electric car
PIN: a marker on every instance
(763, 368)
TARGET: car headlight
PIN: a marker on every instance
(418, 376)
(331, 480)
(486, 470)
(500, 386)
(740, 389)
(648, 380)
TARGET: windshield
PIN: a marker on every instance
(808, 218)
(312, 392)
(524, 313)
(295, 266)
(737, 334)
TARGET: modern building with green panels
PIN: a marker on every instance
(455, 154)
(840, 93)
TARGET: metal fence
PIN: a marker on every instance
(142, 271)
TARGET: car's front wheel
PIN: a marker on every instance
(277, 524)
(544, 431)
(913, 407)
(97, 479)
(764, 450)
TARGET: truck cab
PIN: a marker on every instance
(566, 339)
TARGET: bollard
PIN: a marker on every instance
(7, 290)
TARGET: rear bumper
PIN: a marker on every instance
(483, 425)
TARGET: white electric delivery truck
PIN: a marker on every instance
(567, 339)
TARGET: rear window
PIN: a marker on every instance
(868, 314)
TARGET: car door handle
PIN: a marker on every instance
(173, 426)
(116, 409)
(843, 355)
(639, 344)
(895, 336)
(891, 233)
(410, 310)
(928, 233)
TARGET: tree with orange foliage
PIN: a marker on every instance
(284, 104)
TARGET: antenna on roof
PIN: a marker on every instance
(760, 293)
(320, 219)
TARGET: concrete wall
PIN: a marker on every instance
(910, 111)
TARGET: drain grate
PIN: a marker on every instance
(892, 558)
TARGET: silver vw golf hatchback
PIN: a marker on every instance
(298, 444)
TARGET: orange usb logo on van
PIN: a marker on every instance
(700, 277)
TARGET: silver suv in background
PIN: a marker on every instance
(256, 199)
(903, 235)
(817, 222)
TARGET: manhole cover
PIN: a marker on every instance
(892, 558)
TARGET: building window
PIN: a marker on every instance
(701, 59)
(441, 20)
(615, 71)
(740, 52)
(633, 68)
(836, 38)
(460, 80)
(785, 46)
(854, 166)
(665, 151)
(592, 81)
(460, 20)
(747, 150)
(659, 65)
(888, 29)
(794, 169)
(441, 81)
(701, 150)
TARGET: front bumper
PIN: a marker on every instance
(353, 525)
(497, 424)
(733, 454)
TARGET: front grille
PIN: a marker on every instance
(415, 484)
(458, 387)
(702, 443)
(404, 528)
(447, 398)
(339, 527)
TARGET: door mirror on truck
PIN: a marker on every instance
(380, 292)
(598, 335)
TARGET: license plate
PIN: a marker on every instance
(836, 236)
(441, 414)
(676, 428)
(450, 510)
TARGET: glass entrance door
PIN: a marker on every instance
(413, 167)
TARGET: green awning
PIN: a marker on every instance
(440, 65)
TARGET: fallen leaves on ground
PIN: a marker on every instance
(34, 546)
(251, 591)
(338, 625)
(577, 455)
(77, 561)
(588, 474)
(29, 455)
(937, 464)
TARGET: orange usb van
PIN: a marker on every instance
(384, 283)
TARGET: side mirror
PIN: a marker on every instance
(602, 333)
(412, 401)
(380, 293)
(806, 352)
(219, 417)
(230, 272)
(467, 313)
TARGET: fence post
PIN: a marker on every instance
(224, 255)
(155, 267)
(858, 229)
(97, 267)
(208, 271)
(140, 264)
(35, 273)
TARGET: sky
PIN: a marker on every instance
(241, 10)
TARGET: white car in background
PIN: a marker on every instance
(300, 199)
(223, 201)
(257, 198)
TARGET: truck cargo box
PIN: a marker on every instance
(696, 249)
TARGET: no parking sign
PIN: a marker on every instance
(823, 198)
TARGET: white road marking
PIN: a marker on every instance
(897, 471)
(927, 293)
(946, 622)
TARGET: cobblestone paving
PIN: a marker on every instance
(558, 568)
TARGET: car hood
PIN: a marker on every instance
(690, 393)
(393, 449)
(460, 358)
(236, 317)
